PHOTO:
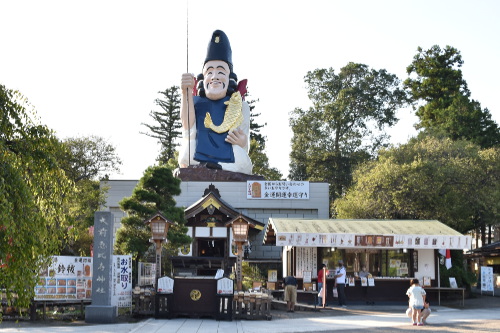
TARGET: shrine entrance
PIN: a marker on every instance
(208, 247)
(209, 222)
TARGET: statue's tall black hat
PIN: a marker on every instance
(219, 48)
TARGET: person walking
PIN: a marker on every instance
(340, 279)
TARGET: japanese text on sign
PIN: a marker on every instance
(295, 190)
(122, 281)
(66, 278)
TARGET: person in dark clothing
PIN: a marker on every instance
(290, 292)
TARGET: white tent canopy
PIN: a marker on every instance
(383, 234)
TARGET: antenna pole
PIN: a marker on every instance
(187, 89)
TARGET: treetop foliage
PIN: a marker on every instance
(442, 99)
(88, 158)
(153, 194)
(428, 178)
(345, 125)
(167, 123)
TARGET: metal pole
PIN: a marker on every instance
(439, 282)
(187, 71)
(323, 288)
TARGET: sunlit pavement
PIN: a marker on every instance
(375, 320)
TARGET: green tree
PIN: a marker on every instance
(167, 123)
(153, 194)
(345, 124)
(437, 80)
(465, 120)
(33, 190)
(85, 161)
(465, 278)
(257, 151)
(261, 162)
(442, 100)
(255, 127)
(90, 158)
(429, 178)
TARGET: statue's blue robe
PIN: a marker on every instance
(211, 146)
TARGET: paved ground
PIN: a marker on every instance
(481, 314)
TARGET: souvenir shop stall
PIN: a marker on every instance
(393, 252)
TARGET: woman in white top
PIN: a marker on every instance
(417, 301)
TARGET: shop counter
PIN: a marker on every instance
(388, 289)
(303, 296)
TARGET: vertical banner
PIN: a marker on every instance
(122, 281)
(306, 260)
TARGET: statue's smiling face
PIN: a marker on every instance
(216, 79)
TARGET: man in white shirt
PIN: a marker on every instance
(340, 278)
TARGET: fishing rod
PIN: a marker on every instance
(187, 89)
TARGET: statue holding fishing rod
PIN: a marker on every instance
(215, 118)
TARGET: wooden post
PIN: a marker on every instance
(239, 260)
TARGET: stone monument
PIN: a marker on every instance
(101, 310)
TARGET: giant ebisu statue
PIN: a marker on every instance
(215, 118)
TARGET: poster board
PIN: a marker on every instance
(453, 283)
(487, 279)
(225, 286)
(306, 257)
(427, 281)
(351, 282)
(268, 190)
(364, 282)
(371, 282)
(165, 285)
(121, 293)
(307, 276)
(66, 278)
(272, 275)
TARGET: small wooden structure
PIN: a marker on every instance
(252, 305)
(209, 223)
(142, 299)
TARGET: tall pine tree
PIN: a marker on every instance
(167, 123)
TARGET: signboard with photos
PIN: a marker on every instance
(66, 278)
(70, 278)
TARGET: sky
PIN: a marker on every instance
(96, 67)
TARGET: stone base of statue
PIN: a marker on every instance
(203, 173)
(100, 314)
